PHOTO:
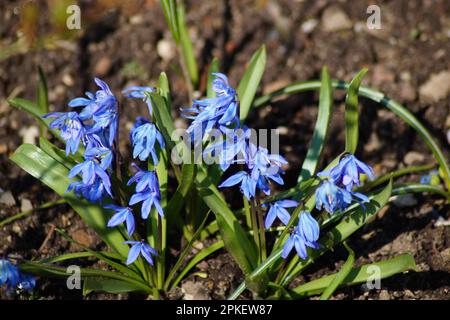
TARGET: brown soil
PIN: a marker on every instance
(120, 46)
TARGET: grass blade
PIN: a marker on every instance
(321, 129)
(186, 46)
(250, 81)
(352, 113)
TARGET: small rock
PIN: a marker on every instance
(82, 237)
(374, 143)
(409, 294)
(441, 222)
(137, 19)
(67, 80)
(282, 130)
(436, 87)
(404, 200)
(335, 19)
(166, 49)
(384, 295)
(29, 134)
(103, 66)
(309, 25)
(16, 228)
(194, 291)
(25, 205)
(413, 158)
(407, 92)
(7, 199)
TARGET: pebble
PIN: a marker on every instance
(384, 295)
(309, 25)
(194, 291)
(335, 19)
(67, 80)
(25, 205)
(102, 67)
(7, 198)
(29, 134)
(437, 87)
(404, 200)
(413, 158)
(166, 49)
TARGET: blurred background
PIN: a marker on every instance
(129, 43)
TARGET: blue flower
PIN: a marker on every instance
(72, 129)
(278, 209)
(348, 172)
(103, 154)
(91, 170)
(140, 247)
(95, 104)
(138, 92)
(143, 137)
(219, 112)
(331, 197)
(94, 192)
(147, 192)
(304, 235)
(248, 185)
(11, 276)
(123, 214)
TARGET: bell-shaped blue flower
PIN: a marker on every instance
(71, 127)
(248, 185)
(304, 235)
(137, 92)
(90, 170)
(122, 214)
(140, 248)
(144, 136)
(94, 192)
(278, 209)
(331, 197)
(12, 277)
(348, 171)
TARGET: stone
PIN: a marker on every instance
(413, 158)
(384, 295)
(194, 291)
(29, 134)
(309, 25)
(166, 49)
(7, 199)
(437, 87)
(405, 200)
(335, 19)
(102, 67)
(25, 205)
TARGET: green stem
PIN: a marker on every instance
(262, 231)
(255, 229)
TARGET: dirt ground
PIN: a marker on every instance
(408, 59)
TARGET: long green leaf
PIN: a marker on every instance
(213, 68)
(234, 237)
(341, 275)
(109, 286)
(352, 113)
(43, 167)
(170, 13)
(319, 137)
(186, 45)
(386, 268)
(42, 97)
(378, 97)
(250, 81)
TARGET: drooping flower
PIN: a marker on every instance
(91, 170)
(95, 104)
(147, 192)
(331, 197)
(94, 192)
(72, 129)
(278, 209)
(219, 112)
(138, 92)
(348, 172)
(143, 137)
(140, 247)
(122, 214)
(103, 154)
(12, 277)
(305, 234)
(248, 185)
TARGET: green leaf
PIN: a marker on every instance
(170, 13)
(186, 45)
(234, 237)
(321, 129)
(163, 84)
(250, 81)
(109, 286)
(57, 154)
(213, 68)
(53, 271)
(386, 268)
(42, 97)
(49, 171)
(378, 97)
(352, 113)
(341, 275)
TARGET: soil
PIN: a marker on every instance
(124, 45)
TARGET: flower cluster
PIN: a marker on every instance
(13, 278)
(95, 126)
(336, 190)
